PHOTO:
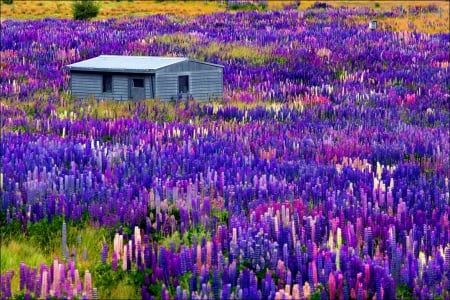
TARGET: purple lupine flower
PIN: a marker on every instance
(65, 251)
(114, 261)
(104, 253)
(22, 274)
(85, 254)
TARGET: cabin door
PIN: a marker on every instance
(137, 88)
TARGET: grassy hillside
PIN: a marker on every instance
(431, 22)
(108, 9)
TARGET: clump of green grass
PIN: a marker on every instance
(41, 243)
(248, 7)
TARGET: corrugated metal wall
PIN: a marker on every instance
(120, 87)
(205, 81)
(84, 85)
(166, 86)
(205, 86)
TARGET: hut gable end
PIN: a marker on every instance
(190, 66)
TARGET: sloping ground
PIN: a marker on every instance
(108, 9)
(414, 18)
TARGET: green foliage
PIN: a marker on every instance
(39, 242)
(316, 296)
(106, 138)
(247, 7)
(261, 274)
(8, 1)
(397, 83)
(281, 60)
(8, 232)
(137, 278)
(339, 73)
(85, 9)
(222, 215)
(377, 5)
(184, 280)
(21, 296)
(45, 234)
(175, 239)
(106, 279)
(155, 289)
(176, 214)
(403, 291)
(19, 128)
(245, 264)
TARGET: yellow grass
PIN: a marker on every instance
(22, 249)
(371, 3)
(179, 39)
(15, 252)
(429, 22)
(254, 55)
(425, 22)
(108, 9)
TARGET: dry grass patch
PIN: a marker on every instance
(253, 54)
(63, 9)
(428, 22)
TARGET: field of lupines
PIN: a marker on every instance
(322, 175)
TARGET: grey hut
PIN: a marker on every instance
(146, 77)
(372, 24)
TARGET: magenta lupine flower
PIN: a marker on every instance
(114, 261)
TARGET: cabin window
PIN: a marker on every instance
(107, 84)
(183, 84)
(138, 83)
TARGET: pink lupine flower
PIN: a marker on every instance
(87, 285)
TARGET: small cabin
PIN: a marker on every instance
(372, 24)
(146, 77)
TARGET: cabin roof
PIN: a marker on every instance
(129, 64)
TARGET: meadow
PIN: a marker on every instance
(436, 21)
(322, 174)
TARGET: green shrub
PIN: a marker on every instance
(247, 6)
(8, 1)
(85, 9)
